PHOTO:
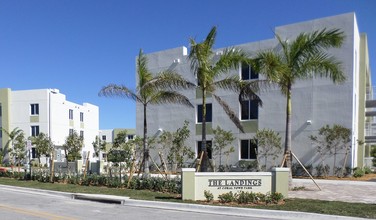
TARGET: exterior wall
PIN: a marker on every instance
(316, 100)
(53, 118)
(5, 114)
(366, 85)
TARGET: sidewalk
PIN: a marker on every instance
(335, 190)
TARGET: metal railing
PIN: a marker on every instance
(370, 129)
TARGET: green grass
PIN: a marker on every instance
(301, 205)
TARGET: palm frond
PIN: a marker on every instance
(210, 38)
(249, 91)
(113, 90)
(169, 80)
(143, 73)
(271, 65)
(231, 83)
(307, 45)
(323, 65)
(230, 113)
(201, 54)
(230, 59)
(169, 97)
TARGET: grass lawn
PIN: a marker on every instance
(301, 205)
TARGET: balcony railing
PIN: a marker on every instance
(370, 129)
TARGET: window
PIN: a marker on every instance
(71, 131)
(208, 148)
(248, 149)
(130, 137)
(249, 109)
(34, 109)
(247, 72)
(81, 117)
(208, 113)
(104, 137)
(34, 131)
(71, 114)
(33, 152)
(82, 134)
(1, 132)
(1, 111)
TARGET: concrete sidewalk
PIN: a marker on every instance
(336, 190)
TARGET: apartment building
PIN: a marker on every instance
(316, 102)
(48, 111)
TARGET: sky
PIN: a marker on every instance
(79, 46)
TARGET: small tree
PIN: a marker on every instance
(99, 146)
(43, 145)
(19, 151)
(174, 143)
(268, 145)
(222, 140)
(121, 151)
(9, 146)
(73, 146)
(331, 141)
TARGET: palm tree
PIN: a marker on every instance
(9, 146)
(210, 76)
(300, 59)
(151, 89)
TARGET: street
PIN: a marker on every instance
(24, 204)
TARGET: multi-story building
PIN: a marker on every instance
(316, 102)
(48, 111)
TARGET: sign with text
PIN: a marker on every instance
(195, 184)
(236, 184)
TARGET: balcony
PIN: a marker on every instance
(371, 101)
(370, 126)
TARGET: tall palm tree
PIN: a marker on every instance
(9, 146)
(300, 59)
(151, 89)
(211, 76)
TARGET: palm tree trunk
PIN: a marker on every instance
(204, 162)
(146, 149)
(288, 161)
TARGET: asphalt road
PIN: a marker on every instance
(23, 204)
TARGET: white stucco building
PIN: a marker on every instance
(48, 111)
(316, 102)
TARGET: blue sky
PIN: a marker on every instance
(78, 46)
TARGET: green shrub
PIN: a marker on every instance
(322, 171)
(246, 197)
(251, 197)
(367, 170)
(277, 197)
(358, 172)
(114, 182)
(226, 197)
(208, 196)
